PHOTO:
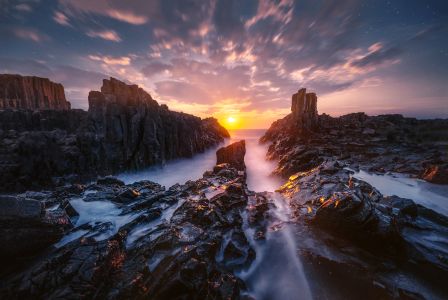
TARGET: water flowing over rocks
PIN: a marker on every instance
(30, 92)
(184, 242)
(124, 129)
(398, 248)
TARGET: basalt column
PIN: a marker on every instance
(304, 109)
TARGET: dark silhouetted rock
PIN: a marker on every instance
(233, 155)
(124, 129)
(27, 228)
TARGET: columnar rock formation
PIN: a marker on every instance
(30, 92)
(303, 140)
(304, 109)
(124, 129)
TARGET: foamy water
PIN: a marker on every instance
(176, 171)
(433, 196)
(277, 272)
(259, 170)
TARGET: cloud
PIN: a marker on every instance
(30, 34)
(77, 78)
(179, 90)
(377, 56)
(108, 35)
(107, 8)
(60, 18)
(23, 7)
(24, 67)
(155, 68)
(110, 60)
(127, 17)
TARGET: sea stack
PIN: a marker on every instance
(304, 109)
(32, 93)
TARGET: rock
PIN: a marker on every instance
(233, 155)
(29, 92)
(304, 109)
(26, 228)
(124, 129)
(167, 249)
(110, 180)
(436, 174)
(386, 143)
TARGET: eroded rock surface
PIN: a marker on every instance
(396, 248)
(30, 92)
(233, 155)
(186, 242)
(384, 143)
(124, 129)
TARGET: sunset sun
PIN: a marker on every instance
(231, 120)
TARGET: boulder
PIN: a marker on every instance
(233, 155)
(27, 228)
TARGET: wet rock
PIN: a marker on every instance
(233, 155)
(109, 180)
(405, 206)
(436, 174)
(26, 228)
(167, 249)
(127, 195)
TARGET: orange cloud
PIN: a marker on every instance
(108, 35)
(109, 60)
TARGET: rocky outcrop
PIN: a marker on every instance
(376, 143)
(30, 92)
(182, 243)
(304, 109)
(355, 227)
(233, 155)
(26, 227)
(355, 231)
(124, 129)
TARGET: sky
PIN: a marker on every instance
(239, 59)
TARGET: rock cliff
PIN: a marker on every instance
(124, 129)
(304, 109)
(30, 92)
(303, 140)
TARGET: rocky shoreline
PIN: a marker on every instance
(124, 129)
(386, 143)
(355, 227)
(186, 241)
(199, 240)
